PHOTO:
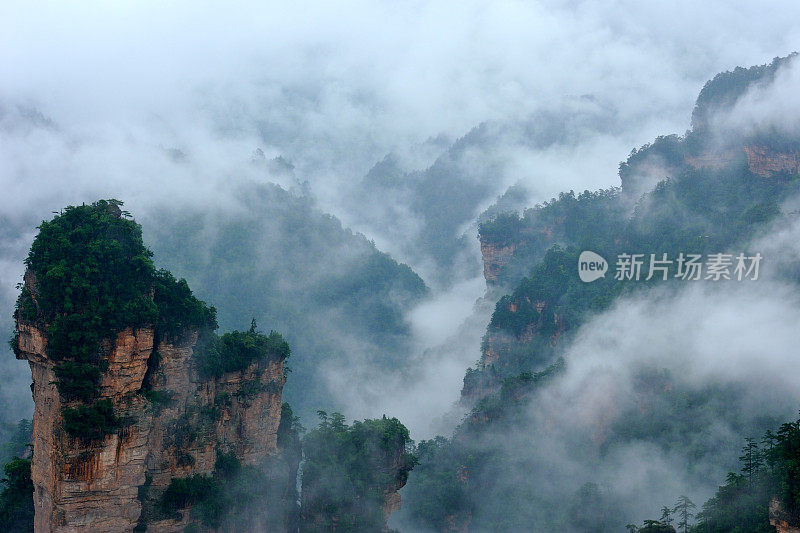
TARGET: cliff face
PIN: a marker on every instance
(765, 161)
(517, 244)
(393, 469)
(780, 519)
(173, 424)
(145, 418)
(762, 160)
(502, 352)
(495, 258)
(642, 171)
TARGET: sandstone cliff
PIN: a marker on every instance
(504, 352)
(495, 258)
(780, 519)
(134, 394)
(95, 485)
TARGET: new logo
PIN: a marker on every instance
(591, 266)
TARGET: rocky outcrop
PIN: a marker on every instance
(173, 424)
(319, 515)
(495, 258)
(502, 253)
(86, 486)
(780, 519)
(764, 161)
(352, 475)
(394, 469)
(502, 350)
(656, 527)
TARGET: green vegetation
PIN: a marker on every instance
(141, 494)
(566, 298)
(725, 88)
(25, 306)
(589, 220)
(515, 390)
(201, 491)
(348, 469)
(178, 309)
(231, 497)
(227, 465)
(684, 510)
(297, 271)
(437, 490)
(454, 475)
(464, 480)
(158, 397)
(237, 349)
(668, 150)
(93, 278)
(77, 381)
(768, 468)
(92, 421)
(289, 431)
(16, 441)
(16, 498)
(702, 211)
(501, 230)
(183, 492)
(651, 526)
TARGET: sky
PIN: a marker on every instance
(335, 87)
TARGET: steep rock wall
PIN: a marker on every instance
(764, 161)
(495, 258)
(95, 485)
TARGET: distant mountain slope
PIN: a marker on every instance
(274, 256)
(554, 444)
(512, 243)
(429, 213)
(705, 193)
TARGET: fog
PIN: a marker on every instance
(166, 106)
(739, 339)
(656, 399)
(765, 108)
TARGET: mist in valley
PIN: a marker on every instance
(323, 169)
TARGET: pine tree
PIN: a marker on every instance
(751, 459)
(666, 515)
(768, 441)
(684, 507)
